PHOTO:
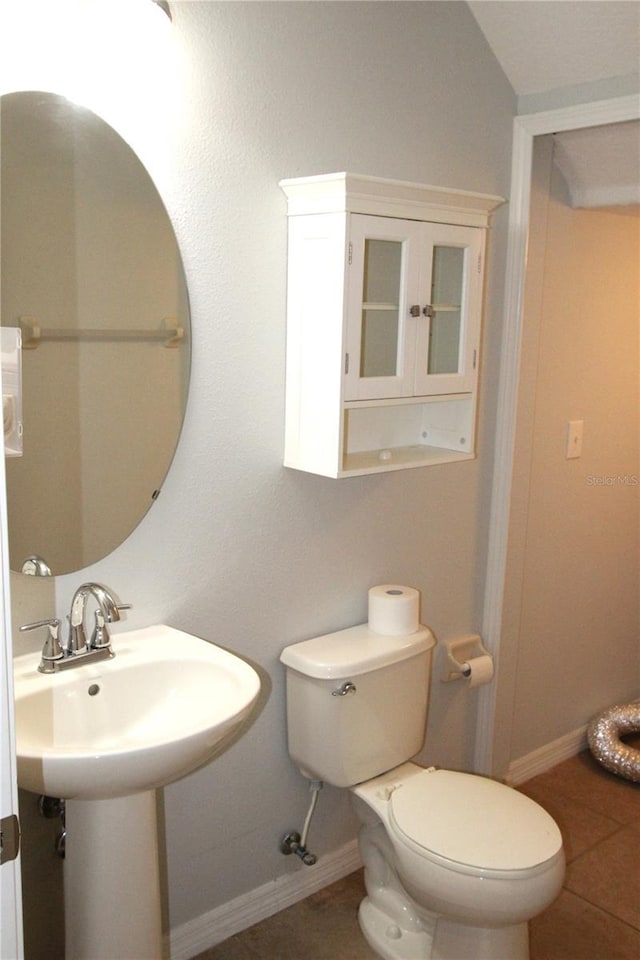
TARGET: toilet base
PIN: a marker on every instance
(388, 939)
(452, 940)
(458, 941)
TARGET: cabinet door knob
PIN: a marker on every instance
(428, 310)
(414, 311)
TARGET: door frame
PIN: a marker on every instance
(496, 700)
(11, 933)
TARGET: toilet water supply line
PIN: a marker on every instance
(293, 842)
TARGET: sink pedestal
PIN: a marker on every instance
(112, 879)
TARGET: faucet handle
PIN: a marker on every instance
(51, 651)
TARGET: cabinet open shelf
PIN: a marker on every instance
(368, 461)
(379, 436)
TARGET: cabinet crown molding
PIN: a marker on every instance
(378, 196)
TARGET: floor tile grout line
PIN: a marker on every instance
(592, 903)
(555, 794)
(595, 845)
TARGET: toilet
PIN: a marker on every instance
(455, 863)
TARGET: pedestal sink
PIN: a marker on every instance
(104, 736)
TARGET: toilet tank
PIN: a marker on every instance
(356, 702)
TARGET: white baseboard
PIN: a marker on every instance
(223, 922)
(542, 759)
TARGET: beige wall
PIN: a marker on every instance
(572, 591)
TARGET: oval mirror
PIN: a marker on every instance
(92, 276)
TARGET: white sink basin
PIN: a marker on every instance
(152, 714)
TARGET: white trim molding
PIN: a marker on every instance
(525, 128)
(542, 759)
(209, 929)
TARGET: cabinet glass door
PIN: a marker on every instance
(446, 348)
(376, 364)
(381, 295)
(447, 275)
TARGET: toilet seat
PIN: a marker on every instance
(472, 824)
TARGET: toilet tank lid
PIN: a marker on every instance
(356, 650)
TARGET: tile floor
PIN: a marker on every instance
(596, 917)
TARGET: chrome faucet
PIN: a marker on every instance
(56, 657)
(108, 610)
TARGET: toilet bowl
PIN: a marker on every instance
(455, 863)
(467, 859)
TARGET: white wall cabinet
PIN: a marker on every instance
(383, 323)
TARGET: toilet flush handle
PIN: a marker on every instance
(344, 690)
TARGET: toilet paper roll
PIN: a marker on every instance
(478, 670)
(394, 610)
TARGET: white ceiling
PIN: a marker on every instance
(544, 45)
(601, 165)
